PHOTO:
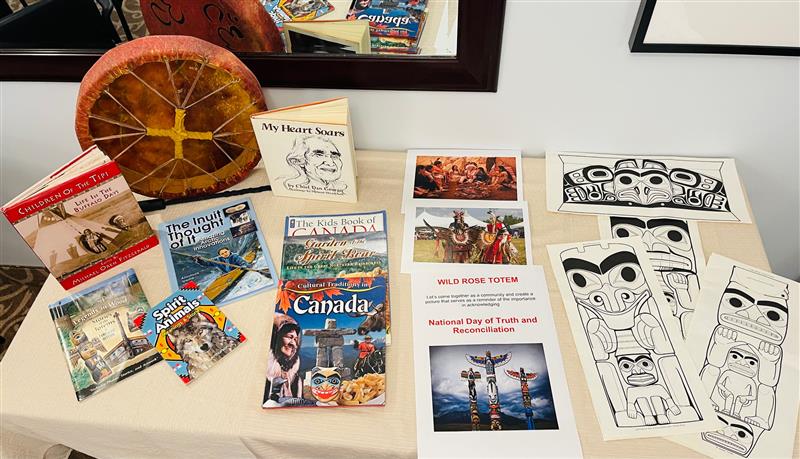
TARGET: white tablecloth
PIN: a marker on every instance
(153, 414)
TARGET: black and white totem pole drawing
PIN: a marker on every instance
(674, 256)
(744, 358)
(490, 362)
(471, 375)
(643, 380)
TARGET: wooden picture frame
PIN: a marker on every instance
(474, 68)
(643, 21)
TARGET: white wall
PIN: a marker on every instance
(567, 82)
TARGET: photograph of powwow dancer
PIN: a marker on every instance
(481, 387)
(469, 235)
(466, 177)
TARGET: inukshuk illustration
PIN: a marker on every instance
(523, 379)
(471, 375)
(329, 342)
(490, 362)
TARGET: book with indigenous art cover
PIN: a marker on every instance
(100, 332)
(221, 249)
(190, 333)
(296, 10)
(328, 340)
(82, 219)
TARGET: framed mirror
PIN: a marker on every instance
(440, 45)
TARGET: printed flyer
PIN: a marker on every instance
(487, 359)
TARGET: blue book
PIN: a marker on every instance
(221, 249)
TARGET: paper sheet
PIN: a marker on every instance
(646, 186)
(486, 355)
(744, 337)
(673, 247)
(466, 232)
(462, 174)
(641, 377)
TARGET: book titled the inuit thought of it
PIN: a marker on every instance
(100, 333)
(221, 249)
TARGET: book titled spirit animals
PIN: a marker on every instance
(308, 150)
(190, 333)
(82, 219)
(100, 332)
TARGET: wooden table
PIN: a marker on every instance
(153, 415)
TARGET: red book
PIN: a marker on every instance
(82, 219)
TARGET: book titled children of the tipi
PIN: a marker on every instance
(308, 150)
(82, 219)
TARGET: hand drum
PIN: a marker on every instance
(174, 113)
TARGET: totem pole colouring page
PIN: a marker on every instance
(639, 373)
(744, 336)
(674, 249)
(654, 186)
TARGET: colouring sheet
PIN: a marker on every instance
(744, 336)
(451, 175)
(673, 247)
(490, 379)
(646, 186)
(641, 378)
(466, 232)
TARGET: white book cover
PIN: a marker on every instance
(307, 160)
(490, 379)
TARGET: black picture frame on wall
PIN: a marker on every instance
(642, 23)
(475, 67)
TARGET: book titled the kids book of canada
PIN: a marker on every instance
(327, 348)
(82, 219)
(221, 249)
(100, 332)
(190, 333)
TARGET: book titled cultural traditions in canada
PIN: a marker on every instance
(221, 249)
(81, 220)
(190, 332)
(308, 150)
(100, 332)
(391, 18)
(327, 347)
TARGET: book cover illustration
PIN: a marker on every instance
(323, 246)
(391, 18)
(83, 226)
(190, 333)
(308, 160)
(221, 249)
(296, 10)
(327, 347)
(100, 333)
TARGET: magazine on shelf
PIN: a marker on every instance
(221, 249)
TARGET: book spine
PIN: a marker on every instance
(51, 196)
(108, 263)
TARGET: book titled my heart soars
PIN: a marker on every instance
(308, 150)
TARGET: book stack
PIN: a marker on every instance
(331, 323)
(395, 25)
